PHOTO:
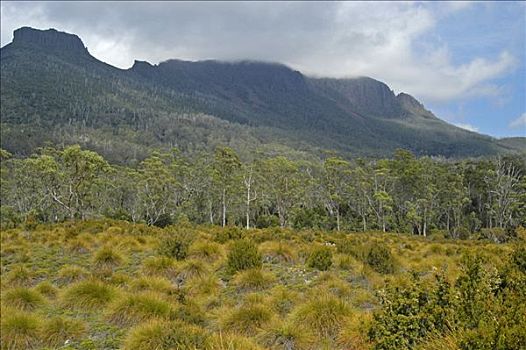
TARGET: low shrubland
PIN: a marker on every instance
(116, 285)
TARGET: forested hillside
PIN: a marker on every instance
(54, 91)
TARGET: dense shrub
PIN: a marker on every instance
(163, 220)
(225, 234)
(320, 258)
(243, 255)
(409, 314)
(264, 221)
(176, 244)
(380, 259)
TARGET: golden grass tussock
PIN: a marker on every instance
(23, 298)
(253, 280)
(325, 315)
(88, 295)
(19, 330)
(247, 319)
(55, 332)
(135, 308)
(166, 335)
(72, 273)
(233, 289)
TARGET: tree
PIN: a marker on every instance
(226, 170)
(282, 185)
(156, 186)
(251, 195)
(336, 183)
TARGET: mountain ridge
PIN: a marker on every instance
(273, 104)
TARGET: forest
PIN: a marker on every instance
(483, 198)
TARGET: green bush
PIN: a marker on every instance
(320, 258)
(243, 255)
(176, 244)
(264, 221)
(225, 234)
(380, 259)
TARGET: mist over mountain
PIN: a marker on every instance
(54, 91)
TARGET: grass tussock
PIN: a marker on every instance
(266, 288)
(247, 319)
(133, 309)
(19, 330)
(23, 298)
(88, 295)
(108, 257)
(325, 315)
(165, 335)
(57, 330)
(253, 280)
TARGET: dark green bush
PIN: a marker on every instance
(229, 233)
(380, 259)
(163, 221)
(320, 258)
(518, 258)
(176, 244)
(243, 255)
(264, 221)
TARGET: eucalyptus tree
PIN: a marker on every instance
(226, 171)
(336, 180)
(282, 183)
(156, 186)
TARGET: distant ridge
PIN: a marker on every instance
(54, 91)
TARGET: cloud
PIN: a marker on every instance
(519, 123)
(393, 42)
(467, 126)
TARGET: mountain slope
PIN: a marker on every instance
(53, 90)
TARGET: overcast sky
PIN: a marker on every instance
(464, 61)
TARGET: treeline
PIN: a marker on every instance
(401, 194)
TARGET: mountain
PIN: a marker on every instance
(54, 91)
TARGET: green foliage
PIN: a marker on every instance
(483, 309)
(243, 255)
(380, 259)
(411, 313)
(320, 258)
(176, 244)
